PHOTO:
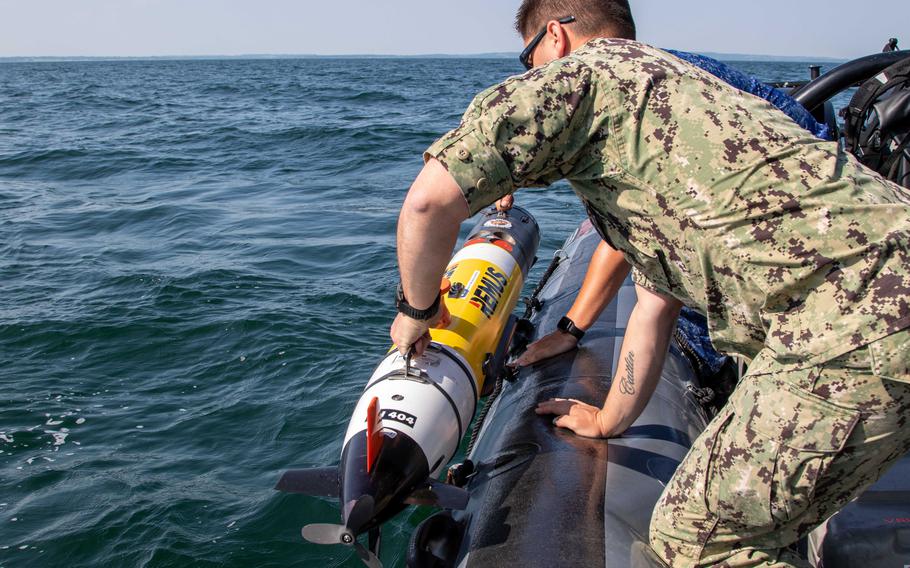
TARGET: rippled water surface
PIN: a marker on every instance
(196, 279)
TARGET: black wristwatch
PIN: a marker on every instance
(407, 309)
(566, 325)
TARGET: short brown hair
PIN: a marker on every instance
(608, 17)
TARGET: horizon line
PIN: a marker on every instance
(489, 55)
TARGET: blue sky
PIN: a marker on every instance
(233, 27)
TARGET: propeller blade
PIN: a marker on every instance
(369, 559)
(323, 533)
(437, 494)
(361, 513)
(320, 481)
(375, 540)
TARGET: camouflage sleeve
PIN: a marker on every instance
(523, 132)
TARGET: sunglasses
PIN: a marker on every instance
(525, 56)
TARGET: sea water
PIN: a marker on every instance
(197, 272)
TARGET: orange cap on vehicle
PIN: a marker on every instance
(504, 245)
(374, 433)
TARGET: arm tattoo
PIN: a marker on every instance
(627, 383)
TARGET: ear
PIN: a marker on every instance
(558, 36)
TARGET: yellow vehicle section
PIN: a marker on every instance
(480, 311)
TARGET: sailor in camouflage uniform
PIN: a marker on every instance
(798, 256)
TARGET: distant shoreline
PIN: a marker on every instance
(59, 59)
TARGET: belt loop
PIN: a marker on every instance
(874, 363)
(813, 373)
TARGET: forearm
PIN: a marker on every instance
(427, 232)
(606, 273)
(641, 361)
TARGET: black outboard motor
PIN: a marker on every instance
(877, 123)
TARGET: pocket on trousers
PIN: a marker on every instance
(738, 474)
(801, 433)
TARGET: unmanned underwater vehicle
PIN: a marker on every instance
(412, 415)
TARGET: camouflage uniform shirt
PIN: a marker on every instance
(715, 197)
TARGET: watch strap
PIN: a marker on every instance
(407, 309)
(566, 325)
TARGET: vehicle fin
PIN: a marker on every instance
(319, 481)
(438, 494)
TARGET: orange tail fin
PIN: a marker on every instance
(374, 433)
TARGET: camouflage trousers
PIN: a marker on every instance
(791, 447)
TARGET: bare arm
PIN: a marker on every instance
(642, 357)
(641, 360)
(606, 273)
(427, 232)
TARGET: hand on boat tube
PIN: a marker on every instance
(505, 203)
(582, 418)
(606, 272)
(548, 346)
(407, 332)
